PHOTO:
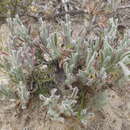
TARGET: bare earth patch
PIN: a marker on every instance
(115, 115)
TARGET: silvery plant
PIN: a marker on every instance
(92, 62)
(80, 65)
(18, 60)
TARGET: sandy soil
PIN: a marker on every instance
(115, 115)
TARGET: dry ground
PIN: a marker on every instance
(115, 115)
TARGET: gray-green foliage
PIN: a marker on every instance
(56, 107)
(6, 92)
(17, 62)
(101, 63)
(99, 59)
(87, 62)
